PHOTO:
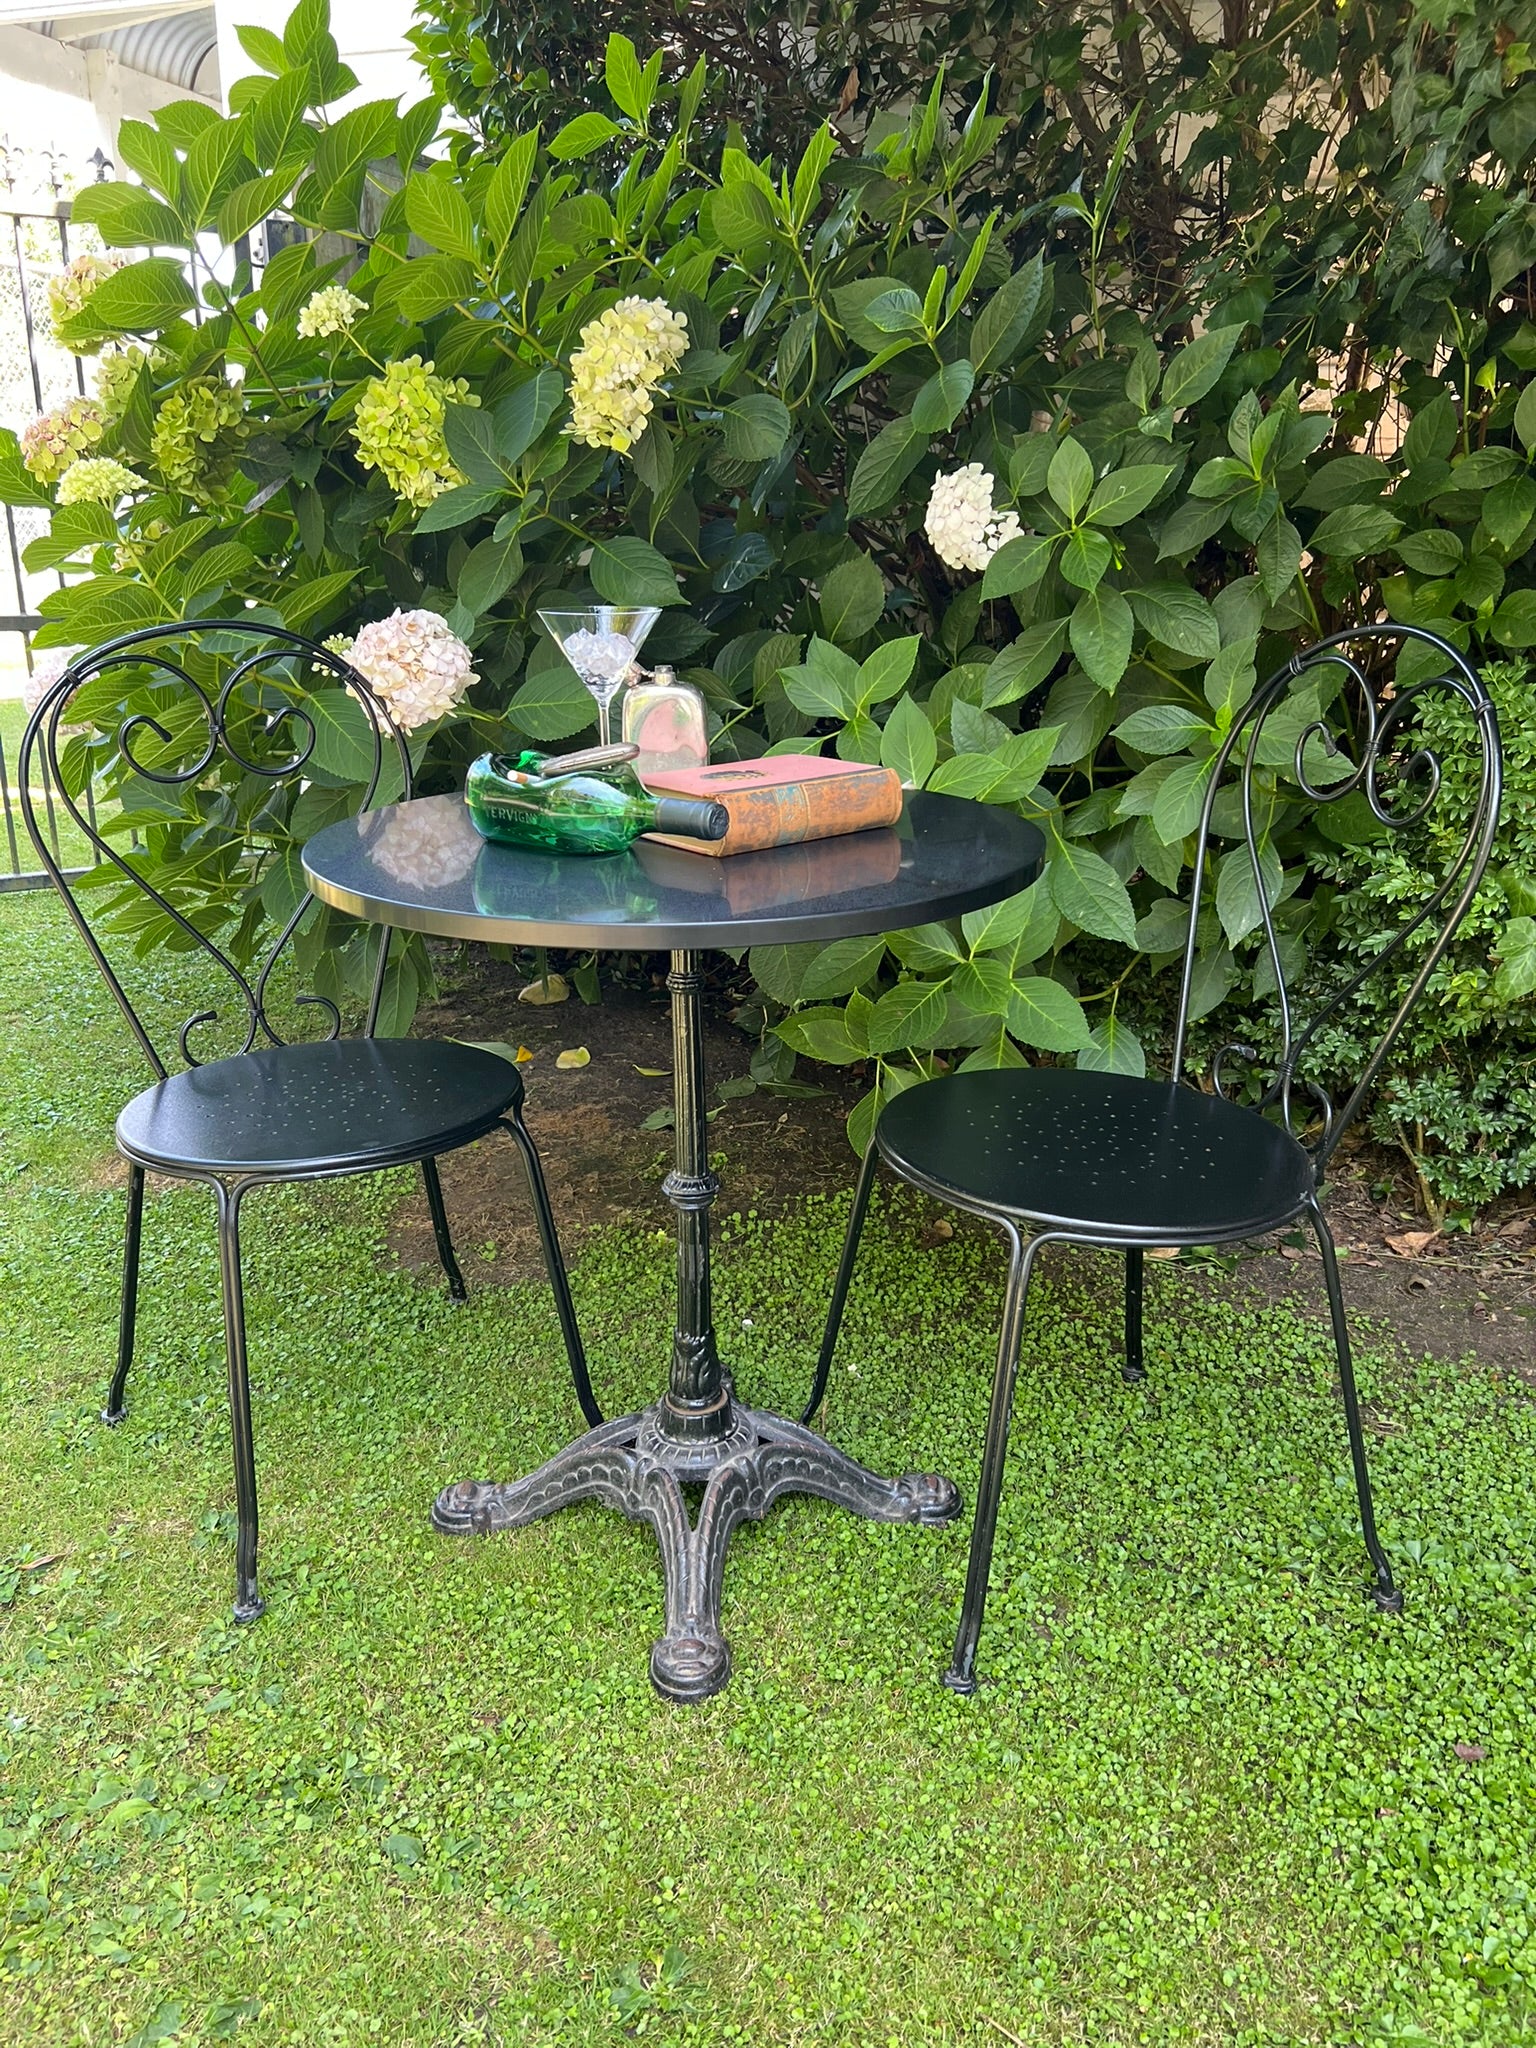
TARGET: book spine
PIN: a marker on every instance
(788, 813)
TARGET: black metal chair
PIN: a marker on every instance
(1125, 1163)
(157, 712)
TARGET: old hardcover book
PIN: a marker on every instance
(783, 799)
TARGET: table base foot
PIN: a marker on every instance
(631, 1465)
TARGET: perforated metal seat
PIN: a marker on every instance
(241, 692)
(343, 1105)
(1148, 1160)
(1086, 1157)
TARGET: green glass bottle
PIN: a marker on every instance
(590, 802)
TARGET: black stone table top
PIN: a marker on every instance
(423, 867)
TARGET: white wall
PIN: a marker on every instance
(45, 83)
(369, 33)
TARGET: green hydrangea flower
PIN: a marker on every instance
(398, 427)
(197, 436)
(57, 439)
(97, 480)
(116, 374)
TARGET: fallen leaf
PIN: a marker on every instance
(939, 1231)
(1409, 1243)
(555, 990)
(523, 1054)
(499, 1046)
(655, 1073)
(1471, 1752)
(578, 1056)
(1162, 1251)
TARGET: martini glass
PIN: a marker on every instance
(602, 644)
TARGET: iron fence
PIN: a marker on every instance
(37, 374)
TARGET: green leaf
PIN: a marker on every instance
(1008, 316)
(1230, 678)
(489, 571)
(302, 604)
(1086, 558)
(1508, 510)
(1070, 477)
(624, 78)
(1162, 729)
(458, 506)
(580, 137)
(152, 155)
(262, 47)
(880, 470)
(1279, 557)
(926, 947)
(1124, 493)
(1113, 1048)
(908, 745)
(1018, 565)
(1041, 1013)
(887, 670)
(779, 970)
(1176, 812)
(1483, 468)
(625, 570)
(738, 216)
(897, 311)
(344, 735)
(822, 1035)
(438, 211)
(908, 1017)
(1525, 416)
(1197, 367)
(523, 414)
(218, 160)
(1178, 617)
(1345, 480)
(852, 598)
(1005, 776)
(18, 486)
(140, 299)
(838, 969)
(508, 188)
(942, 399)
(1101, 631)
(1516, 954)
(1016, 670)
(1086, 890)
(1514, 623)
(127, 215)
(756, 427)
(1436, 551)
(1002, 925)
(552, 704)
(1355, 530)
(826, 685)
(1237, 898)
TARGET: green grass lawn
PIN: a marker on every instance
(1208, 1795)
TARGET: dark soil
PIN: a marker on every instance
(1444, 1293)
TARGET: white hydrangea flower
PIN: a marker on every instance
(965, 530)
(430, 846)
(331, 310)
(419, 669)
(624, 355)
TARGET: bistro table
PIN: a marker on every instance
(421, 866)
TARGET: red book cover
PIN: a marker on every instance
(783, 799)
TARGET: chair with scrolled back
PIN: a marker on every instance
(207, 743)
(1131, 1163)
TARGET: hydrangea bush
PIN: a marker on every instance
(910, 481)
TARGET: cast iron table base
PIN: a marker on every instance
(697, 1434)
(634, 1465)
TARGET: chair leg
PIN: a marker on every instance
(554, 1263)
(844, 1278)
(248, 1602)
(457, 1291)
(128, 1314)
(961, 1675)
(1133, 1369)
(1383, 1592)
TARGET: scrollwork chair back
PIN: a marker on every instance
(1360, 743)
(147, 718)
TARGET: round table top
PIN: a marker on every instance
(423, 867)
